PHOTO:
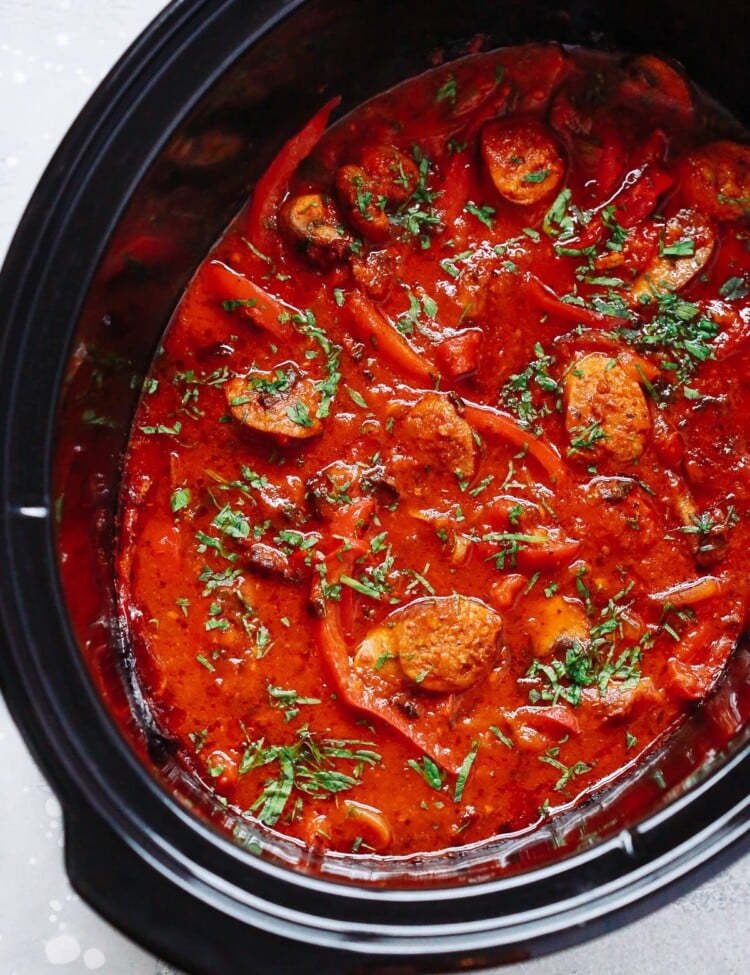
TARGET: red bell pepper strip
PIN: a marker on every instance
(549, 302)
(638, 201)
(349, 519)
(492, 423)
(145, 251)
(556, 719)
(271, 314)
(426, 732)
(458, 355)
(372, 327)
(455, 189)
(271, 187)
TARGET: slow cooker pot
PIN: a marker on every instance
(156, 165)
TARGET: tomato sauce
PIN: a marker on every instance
(435, 510)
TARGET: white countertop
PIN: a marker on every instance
(53, 53)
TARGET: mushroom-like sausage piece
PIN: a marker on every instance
(392, 175)
(281, 403)
(385, 179)
(442, 643)
(684, 251)
(441, 439)
(364, 209)
(522, 159)
(715, 178)
(606, 413)
(314, 221)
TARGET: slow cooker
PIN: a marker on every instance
(159, 161)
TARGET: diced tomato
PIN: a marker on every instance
(458, 355)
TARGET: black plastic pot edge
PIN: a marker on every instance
(151, 918)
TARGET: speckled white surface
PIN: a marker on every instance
(52, 55)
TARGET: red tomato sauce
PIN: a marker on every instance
(435, 511)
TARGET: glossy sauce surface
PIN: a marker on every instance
(435, 509)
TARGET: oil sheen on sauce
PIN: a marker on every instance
(435, 509)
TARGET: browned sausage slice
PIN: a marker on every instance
(715, 178)
(685, 250)
(314, 221)
(280, 403)
(606, 413)
(363, 207)
(442, 643)
(522, 159)
(440, 439)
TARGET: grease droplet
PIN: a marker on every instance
(93, 958)
(62, 950)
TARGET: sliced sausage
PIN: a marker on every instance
(392, 175)
(606, 413)
(280, 403)
(670, 269)
(441, 440)
(363, 207)
(522, 159)
(715, 178)
(442, 643)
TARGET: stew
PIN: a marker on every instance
(435, 510)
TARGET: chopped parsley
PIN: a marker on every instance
(299, 413)
(448, 90)
(680, 333)
(289, 700)
(463, 772)
(483, 213)
(537, 176)
(429, 771)
(180, 499)
(521, 392)
(597, 662)
(734, 288)
(309, 766)
(568, 772)
(680, 248)
(417, 216)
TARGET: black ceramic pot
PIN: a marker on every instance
(156, 164)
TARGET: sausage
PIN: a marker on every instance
(606, 413)
(385, 179)
(391, 174)
(314, 221)
(715, 179)
(281, 404)
(669, 273)
(363, 207)
(522, 159)
(442, 643)
(441, 439)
